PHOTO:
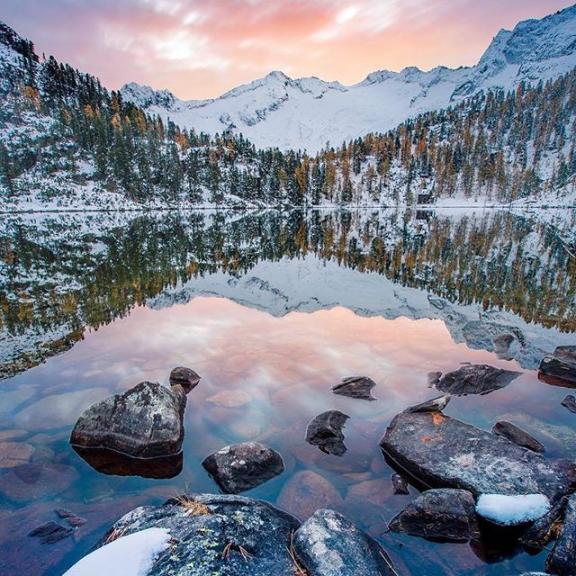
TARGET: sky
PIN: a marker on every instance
(202, 48)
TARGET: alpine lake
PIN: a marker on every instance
(272, 309)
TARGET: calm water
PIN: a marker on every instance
(272, 310)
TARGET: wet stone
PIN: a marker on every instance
(325, 431)
(570, 403)
(328, 544)
(400, 485)
(561, 365)
(517, 435)
(562, 558)
(476, 379)
(144, 422)
(434, 405)
(546, 528)
(51, 532)
(184, 377)
(356, 387)
(442, 514)
(241, 467)
(443, 452)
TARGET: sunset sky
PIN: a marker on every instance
(201, 48)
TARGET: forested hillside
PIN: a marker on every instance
(67, 141)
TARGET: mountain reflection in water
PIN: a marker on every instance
(271, 309)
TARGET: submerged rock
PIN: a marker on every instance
(72, 519)
(444, 452)
(325, 431)
(51, 532)
(562, 560)
(328, 544)
(517, 435)
(355, 387)
(143, 422)
(240, 467)
(476, 379)
(184, 377)
(118, 464)
(442, 514)
(570, 403)
(561, 365)
(306, 492)
(14, 454)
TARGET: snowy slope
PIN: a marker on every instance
(308, 112)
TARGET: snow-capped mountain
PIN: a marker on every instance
(307, 113)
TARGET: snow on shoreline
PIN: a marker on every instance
(512, 510)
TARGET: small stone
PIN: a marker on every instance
(442, 514)
(570, 403)
(476, 379)
(400, 485)
(70, 517)
(184, 377)
(355, 387)
(561, 365)
(434, 405)
(517, 435)
(241, 467)
(325, 431)
(229, 399)
(50, 533)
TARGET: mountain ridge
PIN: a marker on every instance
(306, 113)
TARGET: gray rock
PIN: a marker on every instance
(224, 535)
(434, 378)
(476, 379)
(443, 514)
(325, 431)
(561, 365)
(545, 529)
(440, 451)
(328, 544)
(562, 559)
(570, 403)
(517, 435)
(144, 422)
(50, 533)
(400, 485)
(355, 387)
(240, 467)
(434, 405)
(184, 377)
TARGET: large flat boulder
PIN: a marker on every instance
(144, 422)
(440, 451)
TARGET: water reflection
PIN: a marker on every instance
(272, 310)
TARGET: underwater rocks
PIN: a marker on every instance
(562, 558)
(143, 422)
(355, 387)
(440, 451)
(570, 403)
(560, 367)
(328, 544)
(241, 467)
(231, 535)
(475, 379)
(325, 431)
(51, 532)
(517, 435)
(443, 514)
